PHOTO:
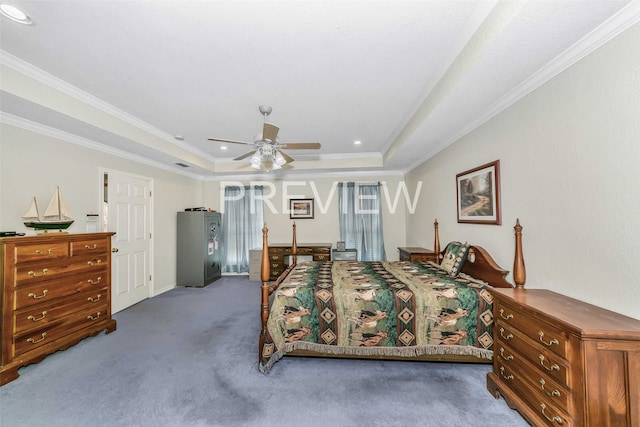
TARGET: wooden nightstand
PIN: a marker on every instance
(560, 361)
(417, 254)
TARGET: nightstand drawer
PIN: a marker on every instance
(417, 254)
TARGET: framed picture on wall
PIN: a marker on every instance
(478, 194)
(301, 208)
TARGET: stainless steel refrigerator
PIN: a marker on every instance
(199, 248)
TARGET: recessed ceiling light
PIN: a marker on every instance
(358, 142)
(15, 14)
(224, 147)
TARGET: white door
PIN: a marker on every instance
(129, 215)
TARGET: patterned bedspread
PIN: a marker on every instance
(400, 308)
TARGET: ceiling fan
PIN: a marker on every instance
(268, 154)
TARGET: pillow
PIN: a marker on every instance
(454, 257)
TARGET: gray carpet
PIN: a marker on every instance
(189, 358)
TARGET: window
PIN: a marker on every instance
(241, 226)
(360, 213)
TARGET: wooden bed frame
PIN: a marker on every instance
(479, 264)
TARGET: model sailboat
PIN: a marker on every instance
(56, 217)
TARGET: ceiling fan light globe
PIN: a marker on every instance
(279, 160)
(256, 160)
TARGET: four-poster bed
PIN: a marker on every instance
(404, 310)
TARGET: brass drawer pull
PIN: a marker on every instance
(555, 419)
(34, 341)
(507, 317)
(90, 281)
(37, 319)
(555, 393)
(94, 300)
(506, 377)
(553, 367)
(34, 296)
(95, 246)
(39, 252)
(94, 262)
(34, 274)
(97, 316)
(550, 343)
(508, 337)
(509, 357)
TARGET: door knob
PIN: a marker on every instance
(114, 250)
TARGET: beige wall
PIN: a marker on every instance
(324, 227)
(32, 164)
(570, 160)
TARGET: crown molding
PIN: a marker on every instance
(624, 19)
(303, 175)
(31, 126)
(60, 85)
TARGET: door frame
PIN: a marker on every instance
(103, 171)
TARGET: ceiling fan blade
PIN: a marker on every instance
(287, 157)
(270, 132)
(300, 145)
(244, 156)
(231, 141)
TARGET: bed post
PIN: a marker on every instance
(265, 272)
(436, 242)
(519, 271)
(294, 247)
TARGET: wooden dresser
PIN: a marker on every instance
(417, 254)
(278, 254)
(56, 290)
(562, 362)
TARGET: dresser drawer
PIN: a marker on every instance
(38, 316)
(548, 413)
(89, 247)
(547, 335)
(41, 252)
(544, 386)
(32, 340)
(276, 251)
(545, 361)
(28, 274)
(321, 251)
(321, 257)
(43, 292)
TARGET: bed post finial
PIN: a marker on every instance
(519, 271)
(436, 242)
